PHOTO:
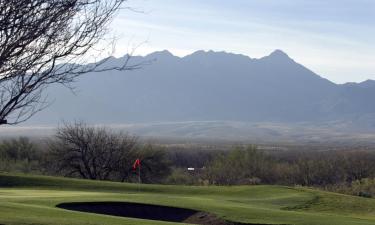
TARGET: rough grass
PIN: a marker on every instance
(32, 200)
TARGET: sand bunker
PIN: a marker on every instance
(146, 211)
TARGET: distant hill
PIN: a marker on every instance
(211, 86)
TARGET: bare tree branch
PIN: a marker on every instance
(44, 42)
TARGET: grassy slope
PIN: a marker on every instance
(31, 200)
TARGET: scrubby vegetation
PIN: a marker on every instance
(81, 151)
(348, 172)
(20, 155)
(291, 168)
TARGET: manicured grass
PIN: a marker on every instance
(32, 199)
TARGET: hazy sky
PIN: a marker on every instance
(334, 38)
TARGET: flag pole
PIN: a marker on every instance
(139, 178)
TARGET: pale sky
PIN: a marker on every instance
(334, 38)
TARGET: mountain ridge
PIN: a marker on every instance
(208, 85)
(276, 52)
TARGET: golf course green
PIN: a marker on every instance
(26, 199)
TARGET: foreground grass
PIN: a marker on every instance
(32, 200)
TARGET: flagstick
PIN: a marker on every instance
(139, 178)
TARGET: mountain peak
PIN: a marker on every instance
(277, 56)
(367, 83)
(164, 53)
(278, 53)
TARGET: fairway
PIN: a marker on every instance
(32, 200)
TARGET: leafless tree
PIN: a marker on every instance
(91, 153)
(43, 42)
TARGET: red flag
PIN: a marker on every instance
(136, 164)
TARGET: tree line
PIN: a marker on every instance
(245, 165)
(83, 151)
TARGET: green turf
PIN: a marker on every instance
(32, 199)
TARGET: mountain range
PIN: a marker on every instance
(209, 86)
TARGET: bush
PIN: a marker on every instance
(365, 194)
(239, 166)
(155, 165)
(19, 155)
(181, 176)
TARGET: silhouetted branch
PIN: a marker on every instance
(45, 42)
